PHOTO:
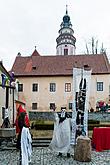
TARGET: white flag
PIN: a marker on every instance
(81, 90)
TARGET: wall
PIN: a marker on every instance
(2, 99)
(61, 98)
(99, 95)
(10, 102)
(44, 97)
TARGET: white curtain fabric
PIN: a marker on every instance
(61, 135)
(26, 146)
(78, 73)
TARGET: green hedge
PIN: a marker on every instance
(91, 126)
(49, 125)
(93, 122)
(44, 127)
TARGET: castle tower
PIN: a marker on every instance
(66, 40)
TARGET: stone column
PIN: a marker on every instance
(82, 150)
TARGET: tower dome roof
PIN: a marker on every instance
(66, 20)
(66, 17)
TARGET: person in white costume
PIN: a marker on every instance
(62, 133)
(6, 122)
(26, 146)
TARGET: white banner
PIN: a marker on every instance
(81, 90)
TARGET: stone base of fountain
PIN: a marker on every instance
(7, 132)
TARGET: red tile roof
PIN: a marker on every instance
(36, 65)
(35, 53)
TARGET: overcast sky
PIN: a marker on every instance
(25, 24)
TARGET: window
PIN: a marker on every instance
(63, 108)
(52, 106)
(20, 87)
(34, 106)
(70, 105)
(99, 86)
(34, 67)
(34, 87)
(52, 87)
(67, 87)
(65, 51)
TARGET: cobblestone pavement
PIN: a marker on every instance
(43, 156)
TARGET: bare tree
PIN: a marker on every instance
(87, 49)
(102, 50)
(92, 45)
(96, 47)
(93, 48)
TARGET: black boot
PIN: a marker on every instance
(68, 155)
(60, 154)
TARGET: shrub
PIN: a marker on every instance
(93, 122)
(91, 126)
(42, 125)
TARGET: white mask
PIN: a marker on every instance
(62, 113)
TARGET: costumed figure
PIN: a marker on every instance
(26, 146)
(21, 120)
(62, 133)
(6, 122)
(19, 111)
(80, 99)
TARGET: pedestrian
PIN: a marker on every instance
(21, 119)
(62, 133)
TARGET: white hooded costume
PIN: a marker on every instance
(26, 146)
(61, 135)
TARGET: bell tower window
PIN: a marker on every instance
(66, 51)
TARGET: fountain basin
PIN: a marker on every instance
(7, 132)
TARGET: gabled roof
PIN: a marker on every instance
(36, 65)
(35, 53)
